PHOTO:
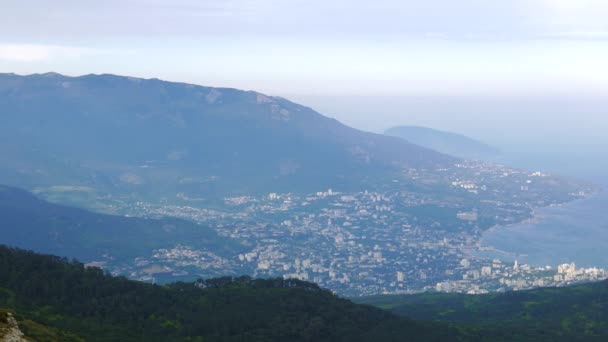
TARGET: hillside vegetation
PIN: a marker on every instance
(549, 314)
(65, 296)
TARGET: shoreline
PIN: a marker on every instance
(537, 217)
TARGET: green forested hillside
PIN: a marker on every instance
(549, 314)
(54, 299)
(66, 296)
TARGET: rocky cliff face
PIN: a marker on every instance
(9, 329)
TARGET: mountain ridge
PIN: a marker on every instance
(455, 144)
(221, 139)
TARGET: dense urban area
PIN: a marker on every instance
(369, 242)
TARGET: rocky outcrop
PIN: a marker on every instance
(9, 329)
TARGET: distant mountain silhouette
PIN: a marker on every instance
(146, 134)
(445, 142)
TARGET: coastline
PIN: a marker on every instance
(538, 216)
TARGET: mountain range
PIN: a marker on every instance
(266, 179)
(454, 144)
(124, 140)
(158, 138)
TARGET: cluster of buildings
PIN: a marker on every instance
(498, 276)
(395, 240)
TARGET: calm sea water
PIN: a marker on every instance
(575, 232)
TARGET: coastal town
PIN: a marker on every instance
(369, 242)
(499, 277)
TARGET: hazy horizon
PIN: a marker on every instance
(389, 48)
(522, 75)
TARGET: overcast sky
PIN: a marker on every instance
(318, 46)
(335, 53)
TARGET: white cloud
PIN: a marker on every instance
(582, 35)
(78, 22)
(46, 53)
(39, 53)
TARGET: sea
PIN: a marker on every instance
(573, 232)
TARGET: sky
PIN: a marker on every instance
(485, 68)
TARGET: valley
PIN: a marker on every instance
(314, 171)
(398, 240)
